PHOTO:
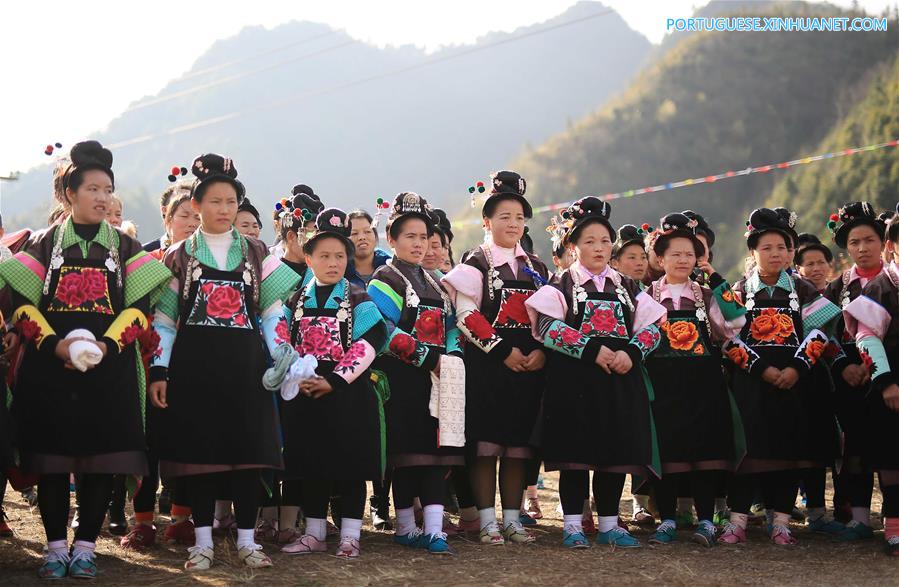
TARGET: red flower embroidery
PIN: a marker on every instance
(223, 302)
(207, 288)
(240, 320)
(149, 343)
(29, 330)
(867, 361)
(130, 334)
(570, 336)
(646, 338)
(403, 346)
(478, 326)
(513, 310)
(94, 283)
(604, 320)
(429, 327)
(350, 360)
(70, 290)
(282, 331)
(316, 341)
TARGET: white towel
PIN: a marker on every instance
(447, 402)
(82, 353)
(300, 370)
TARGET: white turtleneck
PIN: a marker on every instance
(218, 244)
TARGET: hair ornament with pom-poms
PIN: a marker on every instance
(380, 206)
(176, 172)
(48, 150)
(476, 188)
(645, 229)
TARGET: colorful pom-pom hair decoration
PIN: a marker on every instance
(48, 150)
(177, 171)
(476, 188)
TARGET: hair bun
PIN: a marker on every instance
(91, 153)
(212, 164)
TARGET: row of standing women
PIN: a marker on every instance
(231, 368)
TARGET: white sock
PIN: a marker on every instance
(685, 505)
(405, 521)
(203, 536)
(222, 508)
(815, 514)
(468, 514)
(433, 517)
(58, 546)
(83, 546)
(510, 516)
(350, 528)
(607, 523)
(531, 492)
(720, 504)
(287, 517)
(317, 528)
(245, 538)
(573, 523)
(862, 515)
(487, 516)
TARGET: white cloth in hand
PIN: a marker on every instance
(82, 353)
(301, 369)
(447, 401)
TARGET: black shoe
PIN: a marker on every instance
(379, 509)
(118, 524)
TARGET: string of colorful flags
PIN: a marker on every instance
(700, 180)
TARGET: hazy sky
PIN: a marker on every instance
(46, 97)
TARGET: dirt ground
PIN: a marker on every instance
(816, 560)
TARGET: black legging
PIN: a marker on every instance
(574, 489)
(427, 483)
(145, 497)
(778, 488)
(242, 486)
(316, 494)
(854, 487)
(532, 472)
(890, 500)
(462, 486)
(380, 489)
(53, 501)
(700, 485)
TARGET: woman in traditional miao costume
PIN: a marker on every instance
(294, 220)
(421, 332)
(692, 405)
(773, 380)
(81, 283)
(503, 363)
(857, 229)
(180, 221)
(596, 408)
(217, 426)
(333, 424)
(872, 319)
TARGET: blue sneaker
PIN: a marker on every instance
(704, 534)
(56, 566)
(414, 539)
(526, 519)
(666, 533)
(436, 544)
(823, 525)
(83, 565)
(618, 537)
(855, 531)
(574, 538)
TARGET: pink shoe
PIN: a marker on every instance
(469, 526)
(533, 508)
(732, 534)
(348, 548)
(305, 544)
(782, 536)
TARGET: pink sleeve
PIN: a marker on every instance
(722, 330)
(813, 307)
(355, 361)
(464, 279)
(548, 301)
(648, 312)
(865, 312)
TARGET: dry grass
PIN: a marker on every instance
(815, 561)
